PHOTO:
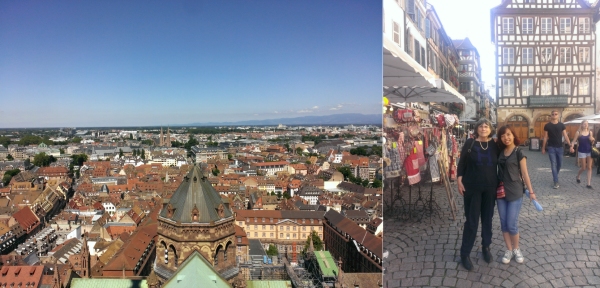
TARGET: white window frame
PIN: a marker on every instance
(584, 25)
(527, 87)
(546, 86)
(564, 86)
(508, 25)
(508, 87)
(527, 25)
(584, 55)
(565, 55)
(565, 26)
(508, 55)
(546, 25)
(396, 32)
(583, 84)
(527, 57)
(546, 55)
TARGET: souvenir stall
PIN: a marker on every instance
(420, 151)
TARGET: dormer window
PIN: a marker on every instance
(170, 210)
(195, 214)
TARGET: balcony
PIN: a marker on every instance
(469, 74)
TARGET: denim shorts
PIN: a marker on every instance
(509, 215)
(581, 155)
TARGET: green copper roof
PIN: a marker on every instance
(326, 264)
(103, 283)
(268, 284)
(195, 191)
(195, 271)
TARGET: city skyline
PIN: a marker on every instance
(124, 64)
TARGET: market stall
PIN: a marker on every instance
(420, 143)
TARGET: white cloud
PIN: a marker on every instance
(315, 107)
(304, 111)
(334, 108)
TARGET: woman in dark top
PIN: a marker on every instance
(477, 182)
(512, 171)
(584, 151)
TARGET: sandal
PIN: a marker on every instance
(578, 180)
(589, 187)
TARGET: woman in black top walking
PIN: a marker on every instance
(512, 171)
(585, 140)
(477, 182)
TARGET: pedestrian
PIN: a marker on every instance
(477, 182)
(512, 171)
(585, 140)
(554, 131)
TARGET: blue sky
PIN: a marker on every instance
(476, 27)
(132, 63)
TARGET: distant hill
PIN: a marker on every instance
(337, 119)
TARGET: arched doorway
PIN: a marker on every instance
(520, 126)
(540, 122)
(572, 128)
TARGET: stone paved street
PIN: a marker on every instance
(561, 244)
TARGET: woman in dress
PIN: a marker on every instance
(585, 140)
(477, 181)
(512, 171)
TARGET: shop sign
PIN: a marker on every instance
(548, 101)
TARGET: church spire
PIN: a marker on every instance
(161, 140)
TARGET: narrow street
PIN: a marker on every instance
(561, 244)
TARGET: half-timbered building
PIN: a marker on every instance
(545, 56)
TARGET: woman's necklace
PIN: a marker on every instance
(486, 147)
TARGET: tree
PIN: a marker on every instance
(77, 140)
(9, 157)
(42, 160)
(121, 153)
(62, 151)
(287, 147)
(287, 195)
(376, 183)
(9, 174)
(135, 152)
(4, 141)
(130, 136)
(191, 142)
(345, 170)
(215, 171)
(79, 159)
(365, 182)
(317, 243)
(299, 150)
(272, 251)
(148, 142)
(229, 156)
(143, 156)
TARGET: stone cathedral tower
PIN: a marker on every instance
(195, 219)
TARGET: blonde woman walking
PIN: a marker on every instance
(585, 141)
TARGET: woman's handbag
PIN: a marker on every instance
(595, 152)
(500, 191)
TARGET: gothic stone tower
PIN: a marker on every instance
(195, 219)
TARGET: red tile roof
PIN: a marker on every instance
(18, 276)
(26, 218)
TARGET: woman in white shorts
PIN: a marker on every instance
(585, 141)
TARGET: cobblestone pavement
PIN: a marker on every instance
(561, 244)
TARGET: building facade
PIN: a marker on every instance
(284, 229)
(545, 55)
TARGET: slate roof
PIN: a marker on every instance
(360, 235)
(195, 191)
